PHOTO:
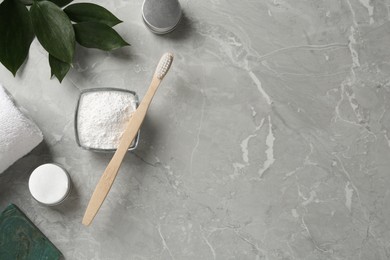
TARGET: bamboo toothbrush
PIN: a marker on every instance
(108, 177)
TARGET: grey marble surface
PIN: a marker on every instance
(269, 139)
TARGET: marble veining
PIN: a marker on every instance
(269, 139)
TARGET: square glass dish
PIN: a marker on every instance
(101, 117)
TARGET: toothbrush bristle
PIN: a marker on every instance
(164, 65)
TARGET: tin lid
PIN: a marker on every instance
(161, 16)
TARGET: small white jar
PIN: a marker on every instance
(49, 184)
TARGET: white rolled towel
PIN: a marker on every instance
(18, 134)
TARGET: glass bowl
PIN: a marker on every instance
(76, 119)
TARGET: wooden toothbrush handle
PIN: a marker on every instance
(105, 183)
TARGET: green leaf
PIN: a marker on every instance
(98, 35)
(16, 34)
(86, 12)
(58, 68)
(53, 30)
(26, 2)
(61, 3)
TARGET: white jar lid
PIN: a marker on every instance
(49, 184)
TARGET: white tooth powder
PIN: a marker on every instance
(102, 117)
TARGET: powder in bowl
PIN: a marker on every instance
(102, 117)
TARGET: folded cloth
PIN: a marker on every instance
(18, 134)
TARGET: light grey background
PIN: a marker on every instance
(269, 138)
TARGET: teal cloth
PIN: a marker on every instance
(20, 239)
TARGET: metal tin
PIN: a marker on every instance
(69, 186)
(161, 16)
(135, 142)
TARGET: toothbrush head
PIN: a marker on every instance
(164, 65)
